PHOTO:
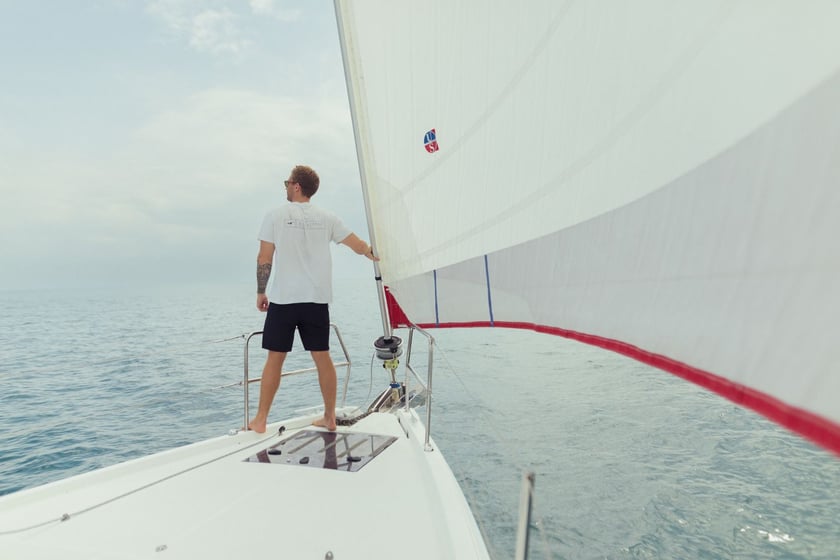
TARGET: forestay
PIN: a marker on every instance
(660, 178)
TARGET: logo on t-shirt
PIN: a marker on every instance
(309, 222)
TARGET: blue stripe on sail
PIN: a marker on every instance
(437, 317)
(489, 297)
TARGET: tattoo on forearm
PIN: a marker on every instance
(263, 272)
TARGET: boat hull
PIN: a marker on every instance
(208, 500)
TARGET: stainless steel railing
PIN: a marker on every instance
(247, 381)
(428, 385)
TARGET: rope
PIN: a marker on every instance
(351, 421)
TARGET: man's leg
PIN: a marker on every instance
(327, 380)
(268, 388)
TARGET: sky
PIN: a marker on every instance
(142, 142)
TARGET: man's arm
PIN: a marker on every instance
(264, 259)
(359, 246)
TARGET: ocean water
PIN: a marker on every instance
(629, 461)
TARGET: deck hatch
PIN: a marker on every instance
(325, 450)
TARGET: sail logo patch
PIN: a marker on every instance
(430, 141)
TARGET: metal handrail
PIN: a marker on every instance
(246, 381)
(526, 502)
(427, 446)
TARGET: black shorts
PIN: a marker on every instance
(312, 321)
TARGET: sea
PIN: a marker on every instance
(629, 461)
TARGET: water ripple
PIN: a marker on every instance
(630, 462)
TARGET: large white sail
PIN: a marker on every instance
(660, 178)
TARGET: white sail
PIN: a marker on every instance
(659, 178)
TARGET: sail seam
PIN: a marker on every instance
(437, 315)
(489, 296)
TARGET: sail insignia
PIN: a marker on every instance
(668, 187)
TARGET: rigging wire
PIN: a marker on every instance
(173, 350)
(497, 430)
(68, 516)
(179, 350)
(126, 359)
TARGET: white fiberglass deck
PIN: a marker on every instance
(207, 500)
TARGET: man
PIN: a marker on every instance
(297, 238)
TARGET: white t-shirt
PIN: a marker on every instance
(302, 268)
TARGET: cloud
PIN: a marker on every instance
(206, 29)
(163, 176)
(217, 26)
(184, 188)
(216, 32)
(270, 8)
(223, 141)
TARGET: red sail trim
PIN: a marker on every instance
(821, 431)
(396, 314)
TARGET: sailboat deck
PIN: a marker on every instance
(326, 450)
(169, 504)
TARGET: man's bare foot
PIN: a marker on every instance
(323, 422)
(257, 426)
